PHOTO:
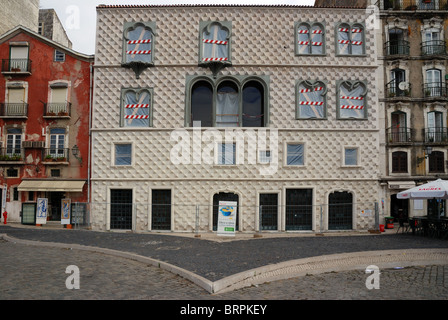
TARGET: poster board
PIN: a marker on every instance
(65, 211)
(42, 211)
(227, 215)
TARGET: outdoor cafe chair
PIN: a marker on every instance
(403, 225)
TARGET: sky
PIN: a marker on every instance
(79, 16)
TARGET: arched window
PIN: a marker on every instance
(352, 100)
(227, 103)
(310, 39)
(137, 108)
(311, 101)
(215, 45)
(202, 104)
(138, 46)
(350, 39)
(253, 104)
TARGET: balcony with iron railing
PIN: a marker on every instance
(433, 48)
(396, 90)
(397, 48)
(11, 155)
(435, 90)
(13, 110)
(57, 110)
(401, 135)
(412, 5)
(55, 155)
(436, 135)
(16, 66)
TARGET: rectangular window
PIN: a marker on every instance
(226, 153)
(57, 143)
(12, 173)
(59, 56)
(295, 154)
(18, 59)
(56, 173)
(15, 194)
(123, 154)
(351, 156)
(264, 156)
(299, 209)
(14, 142)
(399, 162)
(269, 211)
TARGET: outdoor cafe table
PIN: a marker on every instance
(428, 226)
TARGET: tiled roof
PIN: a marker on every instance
(103, 6)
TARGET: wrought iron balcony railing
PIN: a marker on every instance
(59, 109)
(399, 135)
(434, 90)
(395, 48)
(394, 89)
(55, 154)
(14, 110)
(412, 5)
(436, 135)
(11, 154)
(16, 65)
(433, 47)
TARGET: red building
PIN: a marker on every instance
(45, 94)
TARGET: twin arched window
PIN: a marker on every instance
(310, 39)
(228, 103)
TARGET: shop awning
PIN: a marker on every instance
(51, 185)
(401, 184)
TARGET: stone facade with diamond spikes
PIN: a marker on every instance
(263, 44)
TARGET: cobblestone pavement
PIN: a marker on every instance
(30, 272)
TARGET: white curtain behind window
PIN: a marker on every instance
(227, 109)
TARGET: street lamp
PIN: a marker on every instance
(428, 151)
(75, 152)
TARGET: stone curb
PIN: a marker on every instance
(279, 271)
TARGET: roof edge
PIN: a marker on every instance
(21, 28)
(141, 6)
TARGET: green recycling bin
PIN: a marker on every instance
(389, 221)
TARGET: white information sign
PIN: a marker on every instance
(227, 218)
(42, 211)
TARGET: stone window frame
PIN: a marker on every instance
(123, 106)
(311, 84)
(240, 82)
(138, 66)
(215, 66)
(364, 94)
(309, 26)
(351, 26)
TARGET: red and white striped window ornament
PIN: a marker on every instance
(135, 106)
(351, 106)
(139, 41)
(215, 59)
(138, 52)
(136, 116)
(220, 42)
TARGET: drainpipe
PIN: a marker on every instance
(90, 134)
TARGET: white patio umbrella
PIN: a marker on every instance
(435, 189)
